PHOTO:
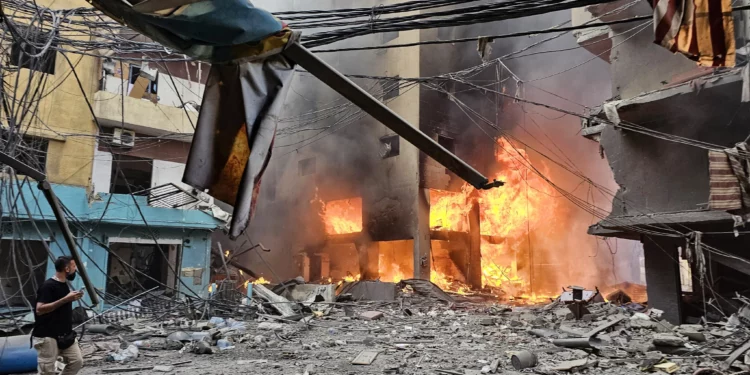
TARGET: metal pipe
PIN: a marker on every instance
(46, 189)
(578, 342)
(524, 359)
(102, 328)
(386, 116)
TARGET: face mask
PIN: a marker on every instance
(71, 276)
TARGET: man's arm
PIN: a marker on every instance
(46, 308)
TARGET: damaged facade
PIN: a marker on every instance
(664, 181)
(356, 201)
(140, 148)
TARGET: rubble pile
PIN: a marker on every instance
(423, 330)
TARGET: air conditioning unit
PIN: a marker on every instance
(123, 138)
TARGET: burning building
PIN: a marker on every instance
(346, 198)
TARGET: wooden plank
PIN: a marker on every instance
(139, 88)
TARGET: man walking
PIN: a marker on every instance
(53, 334)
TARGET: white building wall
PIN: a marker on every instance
(101, 177)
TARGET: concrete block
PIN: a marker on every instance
(373, 291)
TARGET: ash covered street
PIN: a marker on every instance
(419, 333)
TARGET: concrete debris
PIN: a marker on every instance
(281, 304)
(660, 339)
(252, 361)
(427, 289)
(128, 354)
(579, 342)
(371, 315)
(574, 366)
(487, 322)
(271, 326)
(365, 357)
(116, 370)
(462, 337)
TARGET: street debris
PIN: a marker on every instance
(365, 357)
(371, 315)
(422, 330)
(523, 359)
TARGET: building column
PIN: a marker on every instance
(369, 259)
(663, 277)
(324, 262)
(422, 250)
(303, 264)
(474, 269)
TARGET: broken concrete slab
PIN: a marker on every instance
(661, 339)
(281, 304)
(365, 357)
(370, 291)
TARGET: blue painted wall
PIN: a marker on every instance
(120, 219)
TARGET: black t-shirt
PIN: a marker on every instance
(55, 323)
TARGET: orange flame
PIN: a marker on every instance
(261, 281)
(343, 216)
(351, 278)
(509, 213)
(447, 283)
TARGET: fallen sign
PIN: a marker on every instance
(365, 357)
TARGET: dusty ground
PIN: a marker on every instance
(459, 339)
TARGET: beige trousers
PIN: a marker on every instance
(48, 352)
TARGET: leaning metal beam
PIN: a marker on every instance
(344, 86)
(54, 203)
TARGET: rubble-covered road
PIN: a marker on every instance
(422, 335)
